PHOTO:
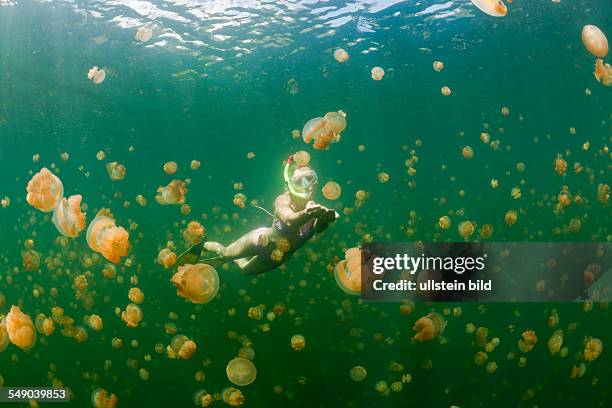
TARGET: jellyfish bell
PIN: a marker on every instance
(341, 55)
(105, 237)
(301, 158)
(100, 398)
(241, 371)
(68, 217)
(495, 8)
(331, 190)
(595, 40)
(377, 73)
(45, 190)
(336, 121)
(197, 283)
(96, 75)
(144, 33)
(313, 129)
(20, 329)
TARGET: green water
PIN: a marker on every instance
(217, 81)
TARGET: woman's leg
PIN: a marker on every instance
(244, 247)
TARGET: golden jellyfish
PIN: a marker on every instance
(95, 322)
(444, 222)
(197, 283)
(193, 233)
(166, 257)
(232, 397)
(68, 217)
(195, 164)
(494, 8)
(467, 152)
(100, 398)
(341, 55)
(298, 342)
(510, 217)
(445, 90)
(136, 296)
(45, 190)
(466, 229)
(241, 371)
(555, 342)
(560, 165)
(30, 260)
(592, 349)
(4, 337)
(331, 190)
(438, 66)
(315, 130)
(173, 193)
(603, 193)
(377, 73)
(105, 237)
(301, 158)
(170, 167)
(429, 327)
(116, 171)
(182, 347)
(357, 373)
(595, 41)
(144, 33)
(348, 272)
(603, 72)
(383, 177)
(528, 341)
(20, 329)
(578, 371)
(491, 367)
(132, 315)
(336, 121)
(96, 75)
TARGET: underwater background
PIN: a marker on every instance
(221, 79)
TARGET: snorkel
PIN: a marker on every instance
(304, 194)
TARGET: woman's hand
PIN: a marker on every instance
(314, 209)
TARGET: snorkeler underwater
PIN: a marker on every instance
(305, 203)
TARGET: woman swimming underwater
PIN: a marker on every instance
(296, 219)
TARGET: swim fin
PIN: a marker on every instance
(191, 255)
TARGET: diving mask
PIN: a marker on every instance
(301, 181)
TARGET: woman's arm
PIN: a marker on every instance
(284, 212)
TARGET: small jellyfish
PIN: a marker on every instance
(466, 229)
(170, 167)
(595, 41)
(438, 66)
(510, 217)
(232, 397)
(445, 90)
(136, 296)
(68, 217)
(331, 190)
(383, 177)
(467, 152)
(555, 342)
(301, 158)
(495, 8)
(348, 272)
(528, 341)
(193, 233)
(377, 73)
(357, 373)
(30, 259)
(105, 237)
(95, 322)
(298, 342)
(195, 164)
(173, 193)
(592, 349)
(144, 33)
(182, 347)
(603, 72)
(132, 315)
(45, 190)
(197, 283)
(444, 222)
(20, 329)
(166, 257)
(100, 398)
(96, 75)
(341, 55)
(241, 371)
(429, 327)
(116, 171)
